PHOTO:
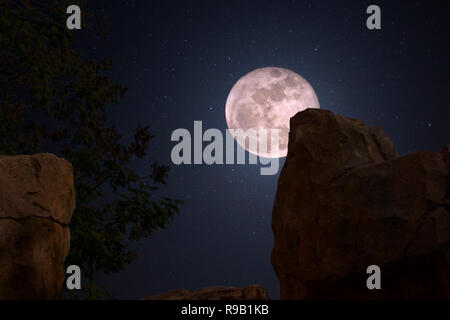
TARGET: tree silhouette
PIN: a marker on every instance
(54, 99)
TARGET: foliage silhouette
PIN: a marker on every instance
(54, 99)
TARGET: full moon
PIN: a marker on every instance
(267, 98)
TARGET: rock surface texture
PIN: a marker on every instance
(253, 292)
(36, 204)
(346, 200)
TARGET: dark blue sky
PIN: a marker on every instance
(180, 60)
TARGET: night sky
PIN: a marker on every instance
(181, 59)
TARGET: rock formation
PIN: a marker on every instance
(346, 200)
(36, 204)
(253, 292)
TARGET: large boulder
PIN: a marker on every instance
(36, 204)
(346, 200)
(254, 292)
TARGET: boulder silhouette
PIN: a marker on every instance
(346, 200)
(36, 204)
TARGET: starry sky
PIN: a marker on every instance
(180, 60)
